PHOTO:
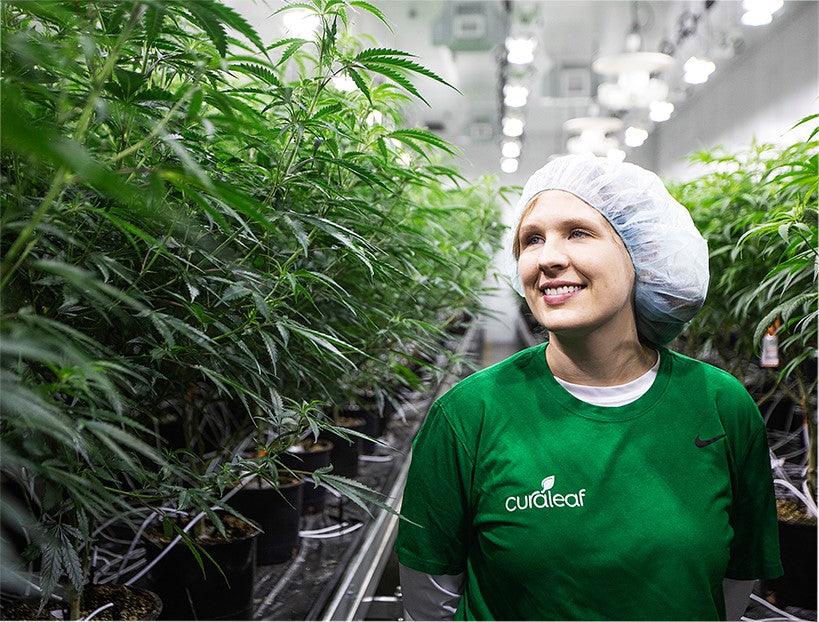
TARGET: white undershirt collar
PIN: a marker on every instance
(618, 395)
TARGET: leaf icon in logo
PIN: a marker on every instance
(547, 483)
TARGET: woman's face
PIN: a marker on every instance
(577, 275)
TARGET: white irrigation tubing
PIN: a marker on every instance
(804, 499)
(793, 454)
(806, 490)
(310, 532)
(762, 601)
(138, 537)
(368, 458)
(788, 438)
(115, 576)
(96, 611)
(335, 534)
(112, 562)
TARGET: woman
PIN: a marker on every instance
(600, 475)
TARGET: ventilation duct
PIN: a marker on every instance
(470, 26)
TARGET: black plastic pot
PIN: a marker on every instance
(374, 425)
(344, 456)
(224, 593)
(797, 547)
(308, 456)
(277, 510)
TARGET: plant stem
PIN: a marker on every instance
(11, 261)
(15, 255)
(74, 599)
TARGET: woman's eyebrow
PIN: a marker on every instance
(568, 223)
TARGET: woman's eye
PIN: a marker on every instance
(532, 239)
(578, 233)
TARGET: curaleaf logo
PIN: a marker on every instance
(544, 498)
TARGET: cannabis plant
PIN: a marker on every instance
(193, 216)
(757, 209)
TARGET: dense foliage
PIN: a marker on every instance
(757, 208)
(192, 216)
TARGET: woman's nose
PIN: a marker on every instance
(552, 256)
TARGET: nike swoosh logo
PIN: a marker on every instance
(705, 443)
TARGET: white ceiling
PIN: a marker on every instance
(571, 34)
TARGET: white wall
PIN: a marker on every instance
(760, 95)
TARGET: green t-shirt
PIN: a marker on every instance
(557, 509)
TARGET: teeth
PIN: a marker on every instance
(563, 289)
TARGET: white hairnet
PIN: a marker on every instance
(670, 256)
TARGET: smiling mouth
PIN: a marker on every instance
(562, 289)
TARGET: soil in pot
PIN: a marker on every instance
(223, 593)
(130, 603)
(308, 456)
(344, 456)
(277, 510)
(797, 546)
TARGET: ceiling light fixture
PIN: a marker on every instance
(697, 70)
(635, 136)
(509, 165)
(515, 96)
(750, 18)
(660, 111)
(635, 88)
(592, 132)
(510, 149)
(512, 127)
(634, 41)
(759, 12)
(521, 50)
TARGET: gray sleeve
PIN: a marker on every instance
(737, 595)
(430, 597)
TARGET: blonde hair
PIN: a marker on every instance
(516, 240)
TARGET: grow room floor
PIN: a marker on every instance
(354, 575)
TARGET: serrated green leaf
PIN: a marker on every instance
(372, 53)
(154, 18)
(360, 83)
(394, 75)
(291, 49)
(199, 14)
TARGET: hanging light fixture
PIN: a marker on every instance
(520, 50)
(515, 96)
(509, 165)
(512, 127)
(634, 88)
(592, 134)
(634, 40)
(510, 149)
(659, 111)
(634, 136)
(697, 70)
(759, 12)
